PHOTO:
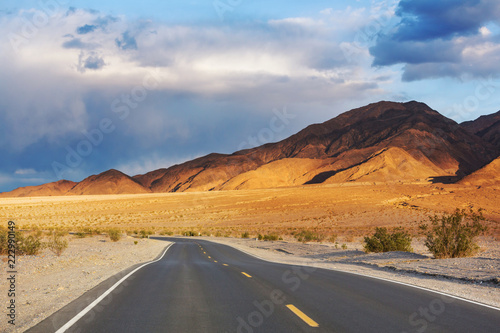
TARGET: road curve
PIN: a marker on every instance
(200, 286)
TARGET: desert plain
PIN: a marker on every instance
(345, 210)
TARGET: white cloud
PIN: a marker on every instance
(484, 31)
(25, 172)
(300, 21)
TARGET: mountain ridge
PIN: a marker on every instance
(410, 134)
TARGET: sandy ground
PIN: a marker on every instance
(46, 282)
(349, 210)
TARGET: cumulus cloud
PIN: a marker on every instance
(438, 39)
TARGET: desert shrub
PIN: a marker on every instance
(37, 232)
(57, 244)
(344, 247)
(268, 237)
(4, 247)
(190, 233)
(245, 235)
(135, 242)
(30, 245)
(143, 234)
(309, 236)
(383, 241)
(333, 238)
(452, 236)
(114, 234)
(59, 231)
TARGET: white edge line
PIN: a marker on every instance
(106, 293)
(369, 276)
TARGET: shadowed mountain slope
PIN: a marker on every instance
(488, 175)
(486, 127)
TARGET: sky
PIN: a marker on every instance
(86, 86)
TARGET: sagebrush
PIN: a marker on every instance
(452, 235)
(383, 241)
(57, 243)
(114, 234)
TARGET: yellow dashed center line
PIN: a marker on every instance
(225, 264)
(209, 257)
(246, 274)
(215, 260)
(302, 316)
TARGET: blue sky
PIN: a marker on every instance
(91, 85)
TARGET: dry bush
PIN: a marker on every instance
(452, 236)
(383, 241)
(309, 236)
(57, 244)
(114, 234)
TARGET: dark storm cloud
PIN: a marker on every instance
(423, 20)
(390, 52)
(435, 39)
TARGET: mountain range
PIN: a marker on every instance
(381, 142)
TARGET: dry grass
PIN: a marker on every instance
(349, 212)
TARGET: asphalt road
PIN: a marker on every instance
(200, 286)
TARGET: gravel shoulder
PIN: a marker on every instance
(46, 283)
